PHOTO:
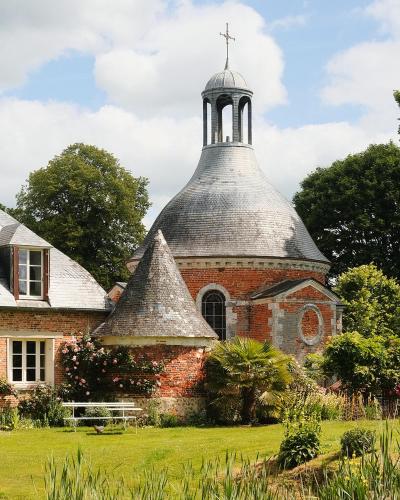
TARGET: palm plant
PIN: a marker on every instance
(249, 368)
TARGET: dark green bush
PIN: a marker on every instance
(356, 442)
(97, 411)
(169, 420)
(298, 448)
(44, 406)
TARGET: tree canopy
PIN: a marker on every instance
(372, 301)
(352, 209)
(396, 95)
(88, 206)
(369, 364)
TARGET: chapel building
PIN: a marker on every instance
(248, 260)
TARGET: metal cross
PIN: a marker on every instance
(227, 37)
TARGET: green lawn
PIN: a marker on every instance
(23, 453)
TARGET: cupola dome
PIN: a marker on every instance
(227, 79)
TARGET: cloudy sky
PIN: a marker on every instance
(126, 75)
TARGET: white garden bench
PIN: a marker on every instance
(125, 408)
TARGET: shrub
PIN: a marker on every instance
(299, 447)
(169, 420)
(7, 389)
(9, 419)
(97, 411)
(44, 406)
(373, 409)
(356, 442)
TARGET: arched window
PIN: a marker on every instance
(214, 312)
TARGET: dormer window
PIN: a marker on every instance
(30, 273)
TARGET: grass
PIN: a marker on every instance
(23, 453)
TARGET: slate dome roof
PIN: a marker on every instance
(226, 79)
(228, 208)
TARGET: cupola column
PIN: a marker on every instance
(235, 119)
(214, 121)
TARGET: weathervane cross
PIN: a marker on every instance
(227, 37)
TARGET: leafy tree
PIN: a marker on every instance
(352, 209)
(249, 368)
(369, 364)
(396, 95)
(2, 207)
(88, 206)
(372, 301)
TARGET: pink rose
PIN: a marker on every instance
(115, 361)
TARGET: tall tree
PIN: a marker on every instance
(352, 209)
(372, 301)
(396, 95)
(88, 206)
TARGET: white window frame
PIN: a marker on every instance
(48, 366)
(28, 296)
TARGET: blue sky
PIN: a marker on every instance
(126, 76)
(322, 29)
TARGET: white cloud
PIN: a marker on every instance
(165, 72)
(387, 13)
(164, 149)
(33, 32)
(367, 73)
(288, 22)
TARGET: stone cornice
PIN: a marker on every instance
(246, 263)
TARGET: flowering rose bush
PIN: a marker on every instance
(93, 372)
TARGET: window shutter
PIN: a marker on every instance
(46, 274)
(15, 272)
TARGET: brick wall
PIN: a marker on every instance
(241, 282)
(67, 323)
(184, 369)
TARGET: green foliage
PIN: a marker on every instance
(217, 479)
(368, 364)
(352, 209)
(313, 367)
(358, 441)
(88, 206)
(169, 420)
(43, 406)
(7, 389)
(396, 95)
(246, 368)
(9, 419)
(97, 411)
(95, 373)
(298, 448)
(372, 301)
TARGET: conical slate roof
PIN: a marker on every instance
(156, 301)
(228, 208)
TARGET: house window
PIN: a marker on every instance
(28, 361)
(30, 269)
(214, 312)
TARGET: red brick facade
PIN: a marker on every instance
(280, 319)
(61, 324)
